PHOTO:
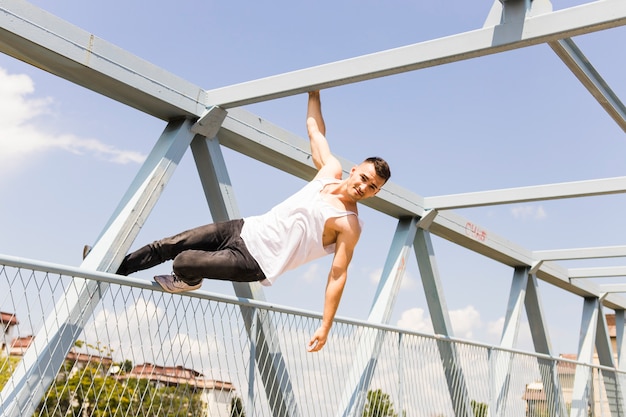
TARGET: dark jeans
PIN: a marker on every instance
(213, 251)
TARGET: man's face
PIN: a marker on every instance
(364, 182)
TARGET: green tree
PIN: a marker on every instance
(7, 366)
(479, 409)
(89, 392)
(236, 408)
(378, 405)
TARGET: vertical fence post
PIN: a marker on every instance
(251, 362)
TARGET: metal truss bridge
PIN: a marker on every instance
(424, 375)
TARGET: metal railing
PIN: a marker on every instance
(148, 353)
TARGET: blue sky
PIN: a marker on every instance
(519, 118)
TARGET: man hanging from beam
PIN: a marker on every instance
(320, 219)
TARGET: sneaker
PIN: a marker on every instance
(173, 284)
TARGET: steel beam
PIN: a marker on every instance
(598, 272)
(440, 318)
(581, 253)
(543, 192)
(576, 61)
(549, 369)
(612, 385)
(266, 350)
(536, 29)
(508, 340)
(46, 355)
(581, 390)
(41, 39)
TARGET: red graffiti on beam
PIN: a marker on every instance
(475, 232)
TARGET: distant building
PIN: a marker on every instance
(18, 346)
(8, 321)
(216, 396)
(535, 397)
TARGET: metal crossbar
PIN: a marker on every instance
(145, 352)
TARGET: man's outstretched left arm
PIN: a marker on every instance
(337, 277)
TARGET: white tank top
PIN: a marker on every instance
(290, 234)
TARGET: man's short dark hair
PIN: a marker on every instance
(381, 166)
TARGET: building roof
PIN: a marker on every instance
(8, 319)
(176, 375)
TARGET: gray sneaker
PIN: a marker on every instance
(173, 284)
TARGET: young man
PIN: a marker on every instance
(320, 219)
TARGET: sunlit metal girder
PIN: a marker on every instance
(581, 253)
(84, 59)
(576, 61)
(535, 30)
(598, 272)
(542, 192)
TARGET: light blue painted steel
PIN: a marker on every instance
(552, 386)
(576, 61)
(210, 122)
(581, 393)
(606, 358)
(581, 253)
(509, 35)
(601, 271)
(440, 317)
(574, 189)
(621, 347)
(619, 339)
(35, 36)
(262, 334)
(46, 355)
(508, 340)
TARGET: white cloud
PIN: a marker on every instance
(20, 138)
(524, 337)
(415, 319)
(529, 212)
(464, 321)
(494, 329)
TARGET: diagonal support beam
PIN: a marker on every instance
(263, 336)
(510, 332)
(576, 61)
(45, 356)
(438, 309)
(593, 334)
(612, 384)
(541, 341)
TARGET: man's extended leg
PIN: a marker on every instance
(213, 251)
(211, 237)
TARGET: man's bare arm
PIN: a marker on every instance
(337, 277)
(323, 159)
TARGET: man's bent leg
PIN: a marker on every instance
(210, 237)
(233, 263)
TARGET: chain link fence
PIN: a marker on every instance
(143, 352)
